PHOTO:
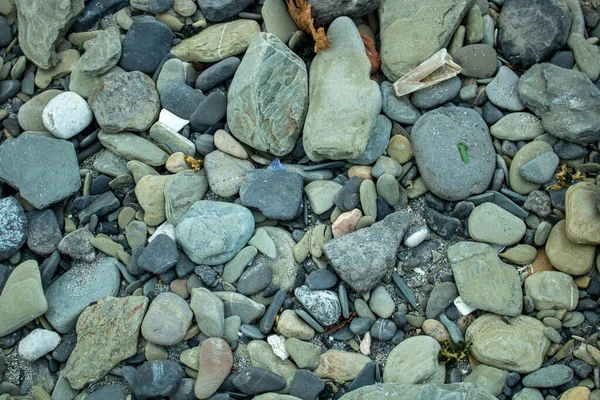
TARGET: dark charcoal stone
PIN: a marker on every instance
(254, 380)
(102, 205)
(181, 99)
(321, 279)
(6, 33)
(156, 379)
(365, 377)
(112, 392)
(145, 45)
(8, 89)
(217, 73)
(43, 233)
(306, 385)
(220, 10)
(254, 279)
(531, 31)
(159, 256)
(210, 111)
(95, 11)
(276, 194)
(65, 348)
(441, 224)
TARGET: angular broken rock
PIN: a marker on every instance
(363, 257)
(107, 333)
(437, 68)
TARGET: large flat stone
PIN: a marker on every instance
(44, 170)
(519, 346)
(107, 333)
(483, 280)
(413, 30)
(42, 24)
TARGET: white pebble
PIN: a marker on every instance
(416, 238)
(165, 229)
(66, 115)
(278, 345)
(38, 343)
(172, 120)
(462, 307)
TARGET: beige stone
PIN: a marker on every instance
(346, 223)
(576, 393)
(227, 144)
(566, 256)
(217, 42)
(400, 149)
(216, 360)
(340, 365)
(66, 61)
(150, 194)
(582, 214)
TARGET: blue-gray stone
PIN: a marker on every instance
(540, 169)
(146, 43)
(255, 380)
(547, 377)
(440, 138)
(377, 143)
(181, 99)
(43, 232)
(44, 170)
(217, 73)
(220, 10)
(398, 109)
(81, 285)
(210, 111)
(212, 232)
(156, 379)
(112, 392)
(437, 94)
(276, 194)
(159, 256)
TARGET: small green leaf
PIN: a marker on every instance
(464, 153)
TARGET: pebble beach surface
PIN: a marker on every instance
(199, 201)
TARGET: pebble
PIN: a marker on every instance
(552, 290)
(517, 126)
(14, 222)
(253, 380)
(146, 43)
(419, 350)
(66, 115)
(276, 194)
(492, 224)
(214, 246)
(167, 321)
(340, 365)
(437, 94)
(159, 256)
(304, 354)
(398, 109)
(225, 173)
(323, 305)
(381, 302)
(566, 256)
(290, 325)
(254, 280)
(217, 73)
(215, 364)
(38, 343)
(541, 169)
(554, 375)
(158, 378)
(503, 90)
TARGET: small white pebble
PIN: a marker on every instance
(38, 343)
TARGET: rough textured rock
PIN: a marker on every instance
(103, 53)
(344, 102)
(429, 391)
(217, 42)
(40, 183)
(436, 139)
(483, 280)
(412, 31)
(22, 299)
(107, 333)
(13, 227)
(363, 257)
(566, 101)
(323, 305)
(212, 232)
(530, 32)
(415, 360)
(268, 97)
(519, 346)
(125, 102)
(42, 24)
